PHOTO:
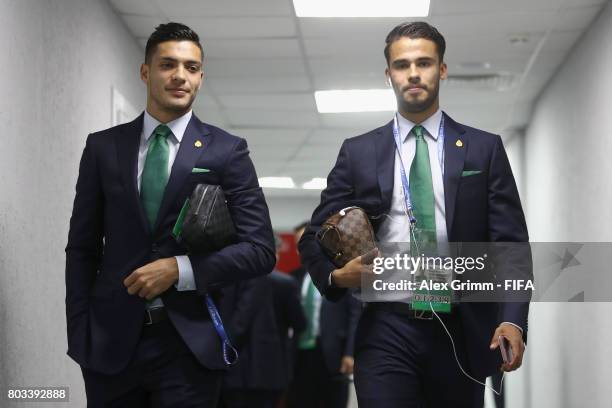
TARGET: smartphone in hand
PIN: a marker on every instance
(506, 349)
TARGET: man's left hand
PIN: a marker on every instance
(515, 338)
(346, 365)
(152, 279)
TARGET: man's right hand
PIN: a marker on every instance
(350, 275)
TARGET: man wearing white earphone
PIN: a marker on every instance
(458, 182)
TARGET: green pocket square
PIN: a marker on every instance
(200, 170)
(466, 173)
(178, 226)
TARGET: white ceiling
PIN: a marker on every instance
(263, 65)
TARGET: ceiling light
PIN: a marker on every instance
(361, 8)
(317, 183)
(355, 100)
(276, 182)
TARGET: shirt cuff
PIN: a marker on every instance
(515, 325)
(186, 280)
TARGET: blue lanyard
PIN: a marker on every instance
(230, 355)
(405, 185)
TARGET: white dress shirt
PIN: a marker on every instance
(186, 279)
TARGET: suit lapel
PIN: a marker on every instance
(128, 142)
(454, 158)
(184, 162)
(385, 162)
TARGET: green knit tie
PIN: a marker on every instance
(308, 339)
(421, 190)
(155, 173)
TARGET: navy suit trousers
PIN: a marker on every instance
(162, 373)
(404, 363)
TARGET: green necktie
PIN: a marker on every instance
(155, 173)
(308, 339)
(423, 203)
(421, 190)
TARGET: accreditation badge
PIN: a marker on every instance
(433, 290)
(432, 281)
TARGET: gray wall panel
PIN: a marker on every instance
(568, 195)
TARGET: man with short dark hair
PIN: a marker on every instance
(456, 183)
(137, 322)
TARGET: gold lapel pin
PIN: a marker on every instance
(459, 143)
(197, 143)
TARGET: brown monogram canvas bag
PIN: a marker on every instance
(346, 235)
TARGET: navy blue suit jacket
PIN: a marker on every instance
(110, 237)
(260, 313)
(480, 208)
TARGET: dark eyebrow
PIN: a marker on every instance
(191, 62)
(420, 59)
